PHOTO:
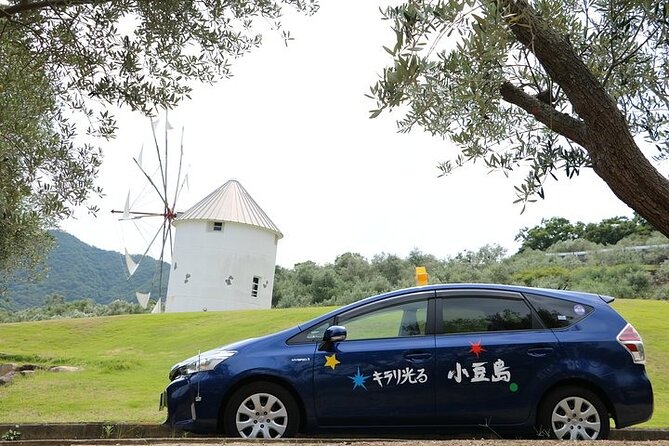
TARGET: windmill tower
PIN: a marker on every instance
(224, 254)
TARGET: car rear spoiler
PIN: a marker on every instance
(607, 299)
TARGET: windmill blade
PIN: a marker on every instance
(130, 264)
(146, 187)
(157, 309)
(169, 229)
(131, 215)
(166, 231)
(139, 217)
(136, 265)
(146, 175)
(126, 208)
(181, 157)
(167, 127)
(183, 183)
(160, 160)
(143, 298)
(169, 236)
(139, 157)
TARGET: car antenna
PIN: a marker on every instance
(198, 398)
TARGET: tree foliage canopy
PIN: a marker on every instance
(64, 63)
(539, 85)
(558, 229)
(616, 270)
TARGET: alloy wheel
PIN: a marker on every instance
(575, 418)
(261, 415)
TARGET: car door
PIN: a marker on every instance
(383, 373)
(492, 352)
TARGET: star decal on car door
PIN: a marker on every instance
(331, 361)
(476, 348)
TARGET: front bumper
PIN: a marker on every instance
(163, 401)
(193, 403)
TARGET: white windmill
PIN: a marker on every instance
(224, 254)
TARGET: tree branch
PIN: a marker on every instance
(9, 11)
(561, 123)
(627, 57)
(588, 97)
(615, 156)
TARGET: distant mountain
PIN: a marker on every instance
(81, 271)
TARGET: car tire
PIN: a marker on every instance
(573, 413)
(261, 410)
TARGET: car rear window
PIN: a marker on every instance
(477, 314)
(558, 313)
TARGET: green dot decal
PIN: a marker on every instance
(513, 387)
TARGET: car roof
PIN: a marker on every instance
(582, 297)
(575, 296)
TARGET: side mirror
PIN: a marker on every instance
(335, 333)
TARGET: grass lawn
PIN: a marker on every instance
(651, 319)
(126, 359)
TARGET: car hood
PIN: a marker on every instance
(235, 347)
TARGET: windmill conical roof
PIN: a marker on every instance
(230, 202)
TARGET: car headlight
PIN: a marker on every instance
(200, 363)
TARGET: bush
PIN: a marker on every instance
(55, 307)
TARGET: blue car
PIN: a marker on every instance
(557, 364)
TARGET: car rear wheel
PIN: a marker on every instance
(261, 410)
(573, 413)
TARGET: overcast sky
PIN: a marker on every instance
(292, 126)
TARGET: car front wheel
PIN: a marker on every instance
(261, 410)
(573, 413)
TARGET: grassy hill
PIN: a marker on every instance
(126, 359)
(80, 271)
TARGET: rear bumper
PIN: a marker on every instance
(634, 404)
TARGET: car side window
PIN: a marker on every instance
(402, 320)
(480, 314)
(311, 335)
(558, 313)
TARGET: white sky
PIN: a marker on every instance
(292, 126)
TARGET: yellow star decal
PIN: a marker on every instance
(331, 361)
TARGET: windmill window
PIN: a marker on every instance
(255, 286)
(217, 226)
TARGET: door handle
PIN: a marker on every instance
(539, 352)
(418, 356)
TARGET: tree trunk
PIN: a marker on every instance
(615, 156)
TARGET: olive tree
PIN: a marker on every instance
(64, 64)
(543, 85)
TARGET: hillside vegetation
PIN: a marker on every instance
(621, 270)
(127, 358)
(77, 270)
(619, 256)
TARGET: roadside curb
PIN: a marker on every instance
(89, 431)
(114, 433)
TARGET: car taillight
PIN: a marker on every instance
(631, 340)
